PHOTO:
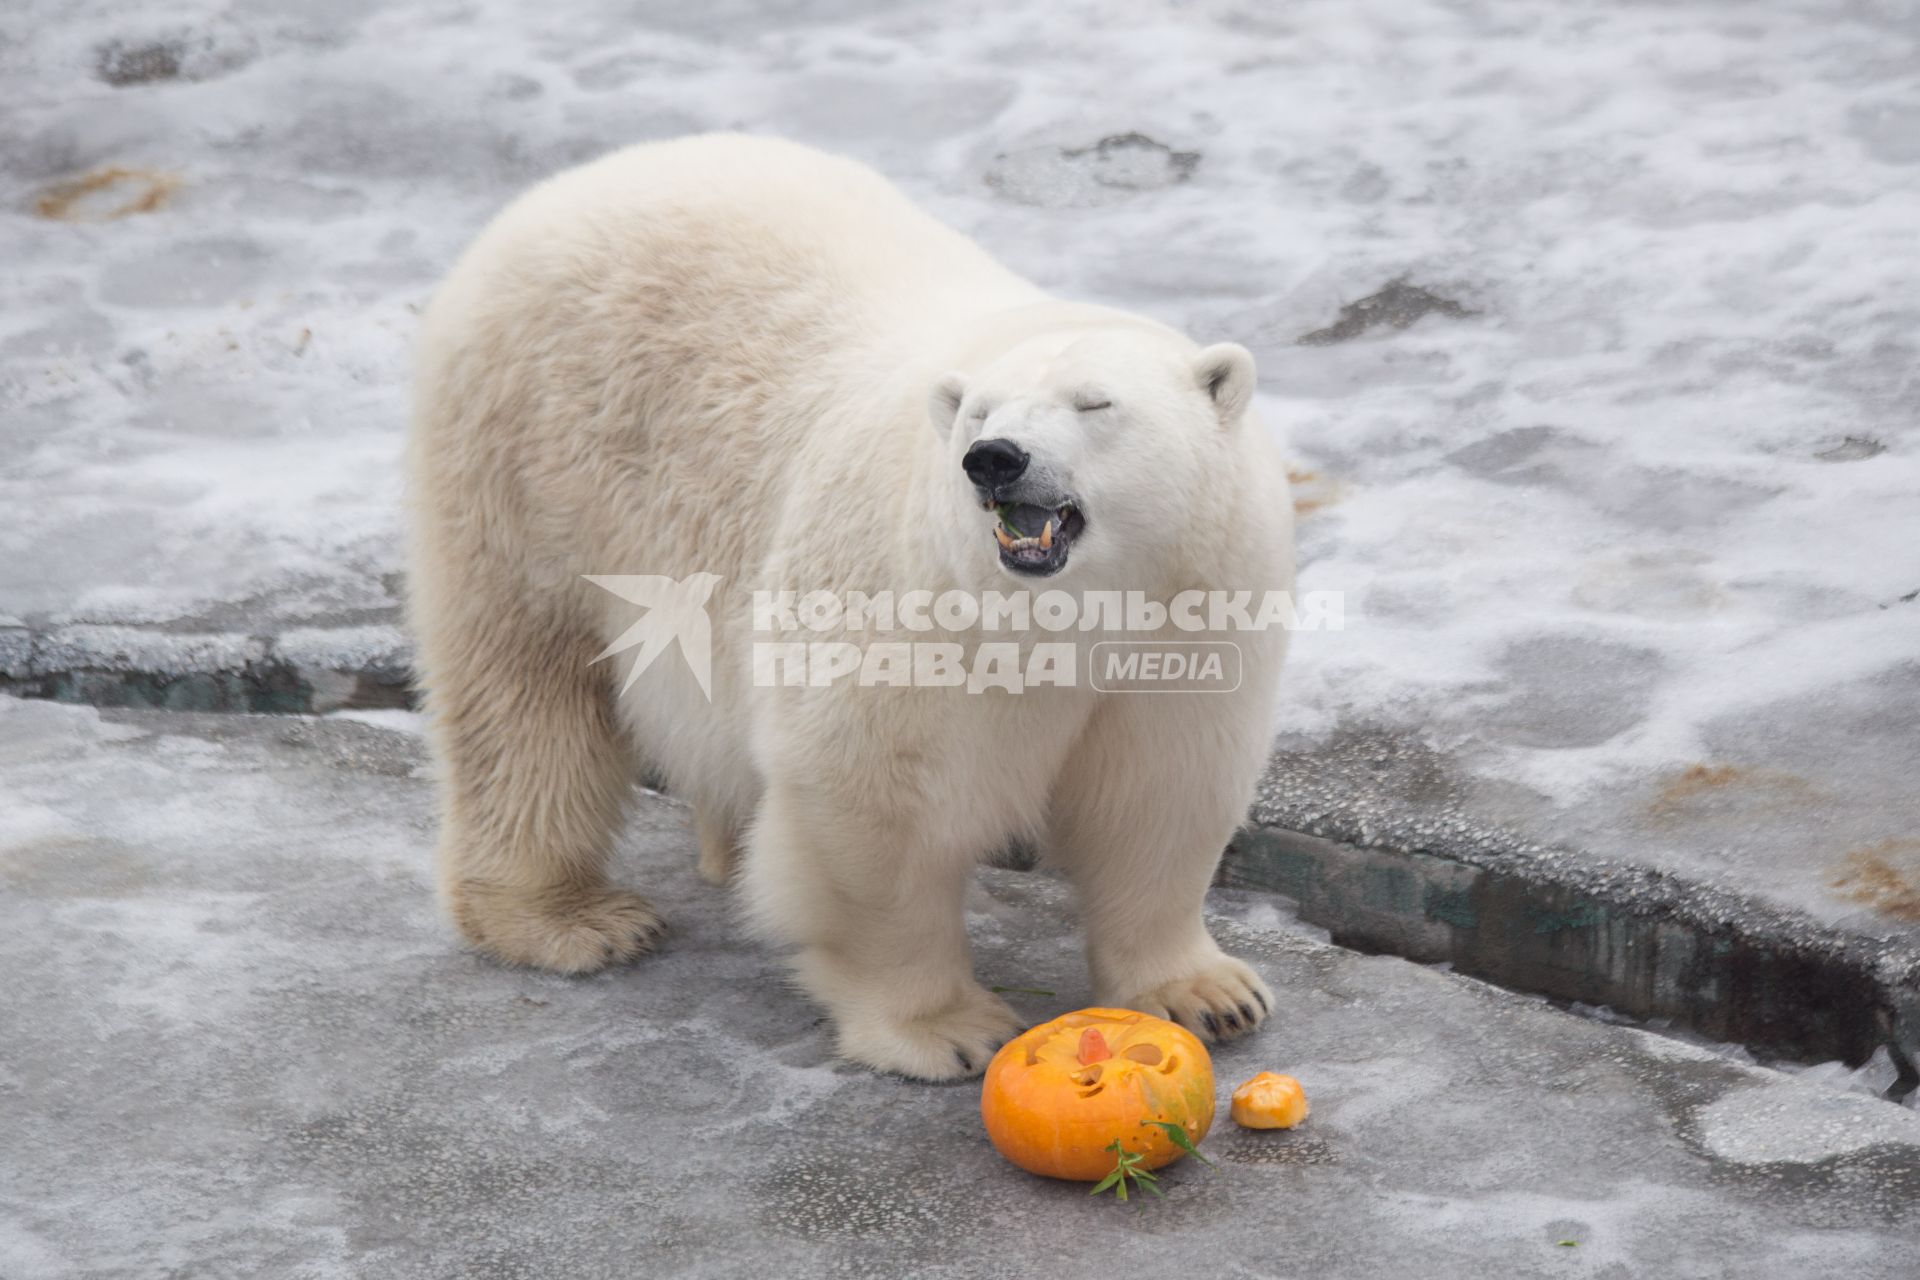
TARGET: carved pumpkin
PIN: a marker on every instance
(1269, 1101)
(1057, 1096)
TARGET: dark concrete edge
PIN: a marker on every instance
(1644, 943)
(1551, 922)
(116, 667)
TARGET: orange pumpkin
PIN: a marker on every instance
(1057, 1096)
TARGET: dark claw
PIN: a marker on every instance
(1233, 1022)
(1211, 1023)
(966, 1063)
(1264, 1007)
(1247, 1013)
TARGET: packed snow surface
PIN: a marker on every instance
(1593, 328)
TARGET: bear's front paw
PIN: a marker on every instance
(576, 929)
(952, 1044)
(1223, 999)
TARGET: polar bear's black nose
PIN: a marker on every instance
(992, 463)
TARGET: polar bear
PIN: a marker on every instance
(744, 364)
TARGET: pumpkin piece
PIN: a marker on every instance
(1269, 1101)
(1057, 1096)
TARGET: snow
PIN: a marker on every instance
(1874, 1078)
(1790, 1121)
(1643, 494)
(408, 722)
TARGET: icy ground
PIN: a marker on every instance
(239, 1042)
(1618, 467)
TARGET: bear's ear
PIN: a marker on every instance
(943, 405)
(1225, 372)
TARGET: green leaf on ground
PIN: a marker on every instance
(1181, 1140)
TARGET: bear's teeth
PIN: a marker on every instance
(1001, 533)
(1046, 537)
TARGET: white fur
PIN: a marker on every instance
(740, 356)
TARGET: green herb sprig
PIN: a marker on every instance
(1127, 1164)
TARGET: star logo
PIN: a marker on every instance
(673, 611)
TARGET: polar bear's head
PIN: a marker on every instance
(1097, 446)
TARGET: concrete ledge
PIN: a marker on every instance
(1643, 943)
(1387, 845)
(313, 670)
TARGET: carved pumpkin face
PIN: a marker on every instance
(1057, 1096)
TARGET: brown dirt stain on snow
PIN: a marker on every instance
(105, 194)
(1699, 784)
(1884, 876)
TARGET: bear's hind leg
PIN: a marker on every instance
(535, 781)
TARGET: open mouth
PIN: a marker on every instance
(1035, 540)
